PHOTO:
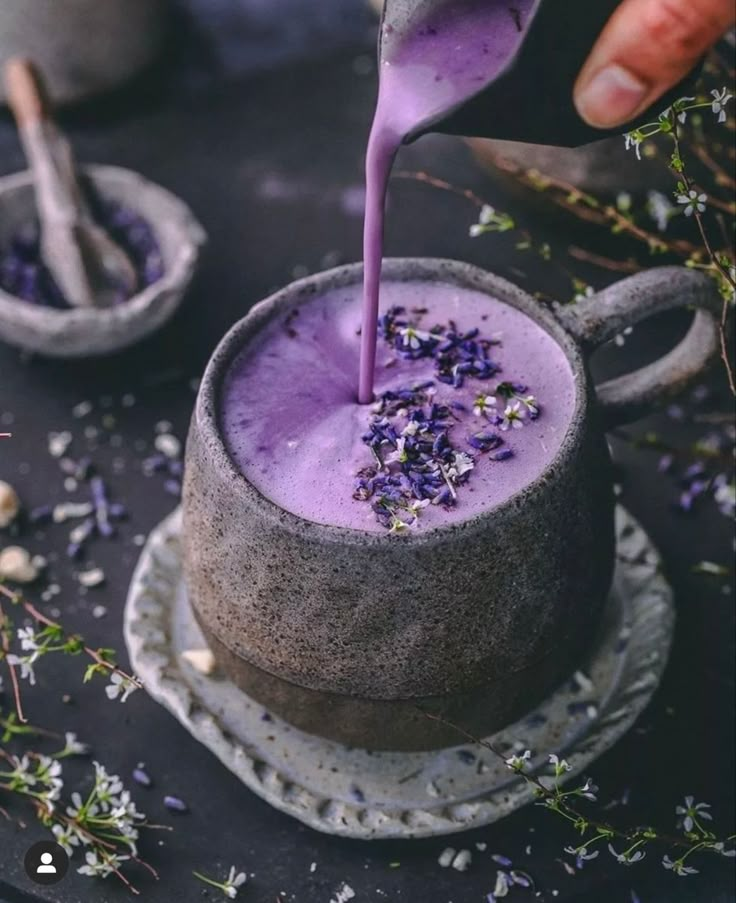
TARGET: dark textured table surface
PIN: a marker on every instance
(267, 149)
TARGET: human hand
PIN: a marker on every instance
(645, 49)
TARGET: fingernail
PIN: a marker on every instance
(610, 97)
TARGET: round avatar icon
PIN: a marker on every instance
(46, 862)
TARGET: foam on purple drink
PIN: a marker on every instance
(291, 424)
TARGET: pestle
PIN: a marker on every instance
(87, 265)
(531, 98)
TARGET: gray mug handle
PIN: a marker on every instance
(595, 320)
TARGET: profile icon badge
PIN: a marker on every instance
(46, 862)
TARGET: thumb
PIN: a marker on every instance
(646, 48)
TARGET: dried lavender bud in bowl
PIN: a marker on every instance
(156, 230)
(24, 274)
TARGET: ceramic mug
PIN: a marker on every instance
(324, 626)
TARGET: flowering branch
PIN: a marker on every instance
(105, 825)
(694, 837)
(51, 637)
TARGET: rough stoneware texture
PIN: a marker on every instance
(397, 724)
(86, 332)
(82, 46)
(456, 612)
(596, 320)
(347, 790)
(359, 614)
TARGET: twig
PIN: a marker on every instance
(547, 794)
(42, 619)
(11, 668)
(607, 263)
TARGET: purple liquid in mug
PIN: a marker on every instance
(292, 427)
(445, 59)
(288, 413)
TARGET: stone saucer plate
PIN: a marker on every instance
(366, 795)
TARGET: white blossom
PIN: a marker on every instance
(462, 463)
(27, 637)
(560, 765)
(120, 685)
(67, 837)
(482, 403)
(693, 201)
(25, 663)
(589, 791)
(513, 416)
(233, 882)
(582, 853)
(692, 811)
(73, 747)
(101, 865)
(720, 99)
(626, 858)
(518, 763)
(678, 867)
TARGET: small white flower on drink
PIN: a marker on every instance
(513, 416)
(482, 403)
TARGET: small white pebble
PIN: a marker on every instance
(168, 445)
(432, 789)
(163, 426)
(584, 682)
(91, 432)
(16, 564)
(139, 539)
(128, 400)
(344, 894)
(462, 860)
(313, 867)
(201, 660)
(528, 849)
(99, 611)
(446, 857)
(9, 504)
(70, 484)
(481, 847)
(59, 443)
(82, 409)
(92, 577)
(67, 510)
